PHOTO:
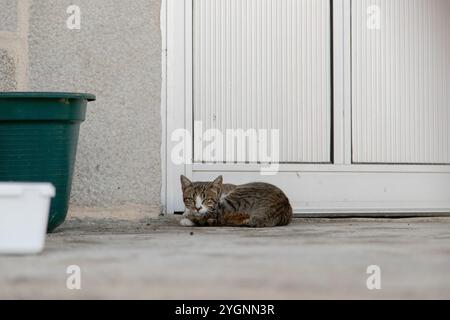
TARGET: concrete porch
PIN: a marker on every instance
(154, 258)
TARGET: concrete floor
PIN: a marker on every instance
(311, 258)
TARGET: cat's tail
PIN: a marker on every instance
(286, 215)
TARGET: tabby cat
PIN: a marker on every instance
(254, 205)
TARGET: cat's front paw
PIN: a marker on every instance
(186, 222)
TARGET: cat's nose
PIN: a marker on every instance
(198, 208)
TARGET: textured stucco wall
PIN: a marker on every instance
(117, 56)
(8, 15)
(7, 71)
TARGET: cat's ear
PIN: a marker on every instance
(185, 182)
(218, 181)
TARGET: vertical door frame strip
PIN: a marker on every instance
(341, 55)
(176, 27)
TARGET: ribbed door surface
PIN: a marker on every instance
(264, 64)
(401, 81)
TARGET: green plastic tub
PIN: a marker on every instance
(38, 141)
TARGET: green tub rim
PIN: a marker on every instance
(43, 106)
(47, 95)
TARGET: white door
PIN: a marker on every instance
(357, 90)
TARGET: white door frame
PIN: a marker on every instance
(341, 188)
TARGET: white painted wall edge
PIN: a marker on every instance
(175, 97)
(163, 150)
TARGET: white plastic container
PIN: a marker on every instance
(24, 210)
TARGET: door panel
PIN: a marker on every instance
(401, 81)
(264, 64)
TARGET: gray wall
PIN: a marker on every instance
(117, 56)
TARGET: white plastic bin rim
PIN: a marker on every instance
(14, 189)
